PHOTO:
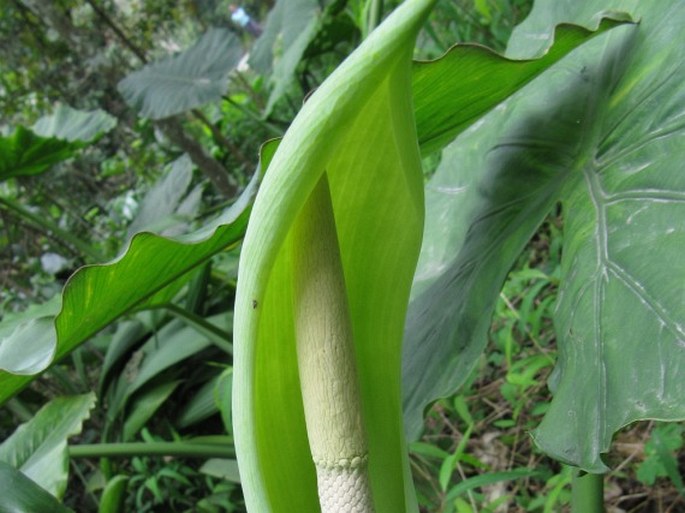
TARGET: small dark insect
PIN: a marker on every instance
(254, 304)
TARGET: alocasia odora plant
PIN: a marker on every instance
(358, 131)
(325, 275)
(348, 168)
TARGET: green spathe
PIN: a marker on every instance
(358, 128)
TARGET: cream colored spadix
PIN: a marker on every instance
(326, 360)
(358, 127)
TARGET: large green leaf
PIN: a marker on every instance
(39, 447)
(142, 277)
(27, 346)
(600, 132)
(52, 139)
(358, 128)
(182, 82)
(452, 92)
(21, 495)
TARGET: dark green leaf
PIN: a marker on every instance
(114, 495)
(201, 405)
(144, 407)
(600, 132)
(488, 479)
(52, 139)
(25, 153)
(21, 495)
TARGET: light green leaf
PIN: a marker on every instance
(462, 264)
(453, 92)
(21, 495)
(39, 447)
(161, 210)
(25, 343)
(141, 277)
(223, 468)
(185, 81)
(599, 132)
(621, 312)
(357, 127)
(74, 125)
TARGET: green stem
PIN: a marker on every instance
(375, 14)
(127, 450)
(587, 495)
(217, 336)
(275, 130)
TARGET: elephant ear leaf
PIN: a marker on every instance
(182, 82)
(358, 129)
(621, 313)
(600, 132)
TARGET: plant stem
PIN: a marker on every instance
(218, 337)
(375, 14)
(587, 493)
(186, 449)
(220, 138)
(212, 168)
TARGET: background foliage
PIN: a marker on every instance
(171, 171)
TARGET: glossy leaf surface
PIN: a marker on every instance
(39, 447)
(453, 92)
(141, 277)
